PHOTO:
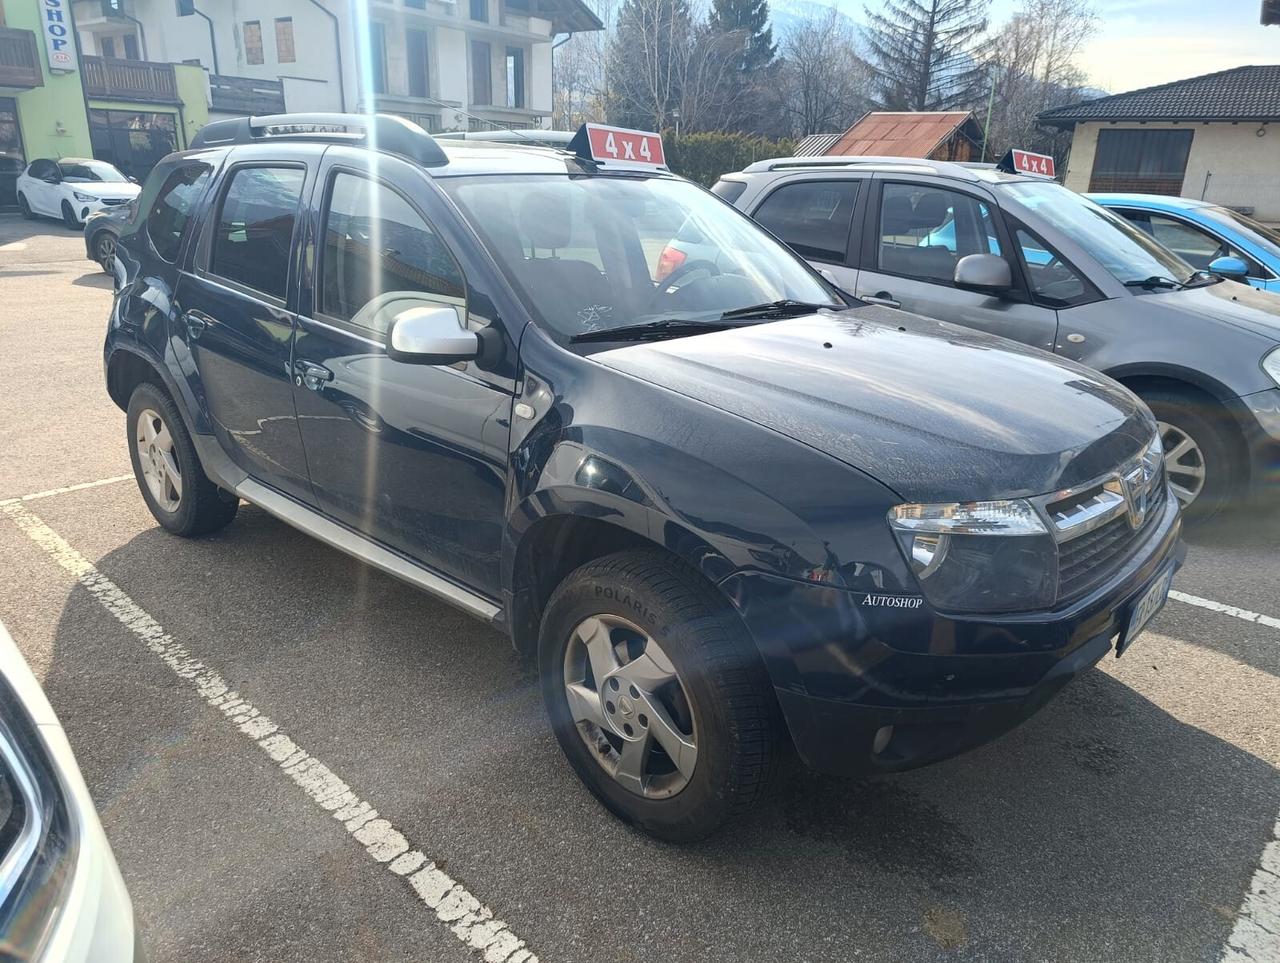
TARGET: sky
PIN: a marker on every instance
(1144, 42)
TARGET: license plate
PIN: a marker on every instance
(1144, 610)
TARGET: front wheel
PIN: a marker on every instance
(1200, 458)
(69, 216)
(104, 251)
(181, 497)
(657, 695)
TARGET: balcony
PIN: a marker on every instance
(19, 59)
(139, 81)
(244, 95)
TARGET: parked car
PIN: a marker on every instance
(72, 188)
(1027, 259)
(61, 895)
(1204, 235)
(725, 510)
(102, 231)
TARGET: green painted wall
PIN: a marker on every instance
(60, 102)
(193, 91)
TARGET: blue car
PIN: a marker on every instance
(1201, 233)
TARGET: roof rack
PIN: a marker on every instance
(384, 132)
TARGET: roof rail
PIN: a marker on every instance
(384, 132)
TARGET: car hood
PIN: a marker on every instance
(105, 190)
(936, 412)
(1238, 304)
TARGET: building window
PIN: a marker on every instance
(481, 74)
(416, 59)
(480, 10)
(284, 40)
(515, 77)
(378, 57)
(133, 141)
(1142, 161)
(253, 42)
(416, 4)
(107, 46)
(131, 47)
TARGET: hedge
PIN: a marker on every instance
(704, 156)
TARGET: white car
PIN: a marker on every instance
(72, 188)
(61, 896)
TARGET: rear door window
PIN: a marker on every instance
(171, 211)
(253, 233)
(813, 217)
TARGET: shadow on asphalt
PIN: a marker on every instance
(1102, 828)
(96, 279)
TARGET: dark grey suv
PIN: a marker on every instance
(1030, 260)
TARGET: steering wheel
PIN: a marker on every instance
(704, 265)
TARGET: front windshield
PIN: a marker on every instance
(1267, 238)
(1126, 252)
(597, 253)
(83, 172)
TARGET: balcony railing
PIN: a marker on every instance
(136, 80)
(244, 95)
(19, 59)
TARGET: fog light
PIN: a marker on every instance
(881, 741)
(84, 213)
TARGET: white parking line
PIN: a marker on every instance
(1222, 609)
(468, 919)
(70, 488)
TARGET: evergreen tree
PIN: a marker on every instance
(928, 54)
(751, 17)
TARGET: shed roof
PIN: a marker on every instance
(907, 134)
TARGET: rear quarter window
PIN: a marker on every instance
(728, 190)
(169, 214)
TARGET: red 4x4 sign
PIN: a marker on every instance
(1025, 162)
(618, 146)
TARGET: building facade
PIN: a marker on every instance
(1214, 137)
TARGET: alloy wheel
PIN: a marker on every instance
(1183, 462)
(158, 460)
(107, 252)
(629, 706)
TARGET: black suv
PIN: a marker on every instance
(725, 508)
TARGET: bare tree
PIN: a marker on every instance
(824, 85)
(1033, 67)
(579, 81)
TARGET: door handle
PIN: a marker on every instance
(196, 322)
(882, 298)
(310, 375)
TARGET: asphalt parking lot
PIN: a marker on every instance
(241, 704)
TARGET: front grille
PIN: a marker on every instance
(112, 201)
(1090, 559)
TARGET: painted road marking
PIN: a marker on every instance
(70, 488)
(1222, 609)
(467, 918)
(1256, 936)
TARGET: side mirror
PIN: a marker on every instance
(1231, 268)
(431, 334)
(985, 273)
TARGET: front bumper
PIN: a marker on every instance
(845, 672)
(1261, 425)
(84, 208)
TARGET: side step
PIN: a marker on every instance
(368, 551)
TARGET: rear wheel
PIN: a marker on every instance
(24, 208)
(104, 251)
(1200, 452)
(69, 216)
(181, 497)
(657, 695)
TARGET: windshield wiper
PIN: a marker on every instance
(1200, 279)
(774, 309)
(1155, 281)
(654, 330)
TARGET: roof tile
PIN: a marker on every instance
(1241, 93)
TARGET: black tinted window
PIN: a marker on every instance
(255, 228)
(378, 250)
(925, 231)
(1052, 279)
(729, 190)
(169, 214)
(42, 168)
(813, 217)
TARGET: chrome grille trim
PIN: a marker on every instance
(1081, 509)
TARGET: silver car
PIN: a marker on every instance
(1030, 260)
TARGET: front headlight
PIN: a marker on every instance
(83, 197)
(1271, 365)
(38, 839)
(995, 556)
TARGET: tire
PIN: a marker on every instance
(719, 699)
(69, 217)
(104, 250)
(24, 208)
(1213, 453)
(195, 505)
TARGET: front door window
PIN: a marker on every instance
(925, 231)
